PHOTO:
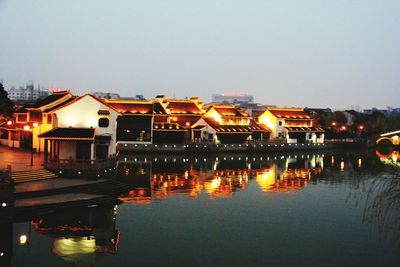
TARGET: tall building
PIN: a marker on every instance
(26, 93)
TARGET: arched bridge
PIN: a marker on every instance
(389, 138)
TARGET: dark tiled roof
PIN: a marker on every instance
(21, 109)
(232, 128)
(132, 106)
(198, 127)
(262, 127)
(230, 111)
(69, 134)
(60, 105)
(304, 129)
(50, 99)
(289, 113)
(183, 107)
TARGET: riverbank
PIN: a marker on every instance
(239, 148)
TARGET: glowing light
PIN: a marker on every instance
(213, 185)
(23, 239)
(69, 248)
(266, 180)
(342, 165)
(4, 204)
(359, 162)
(9, 122)
(35, 124)
(27, 127)
(267, 121)
(343, 127)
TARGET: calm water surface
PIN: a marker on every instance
(331, 209)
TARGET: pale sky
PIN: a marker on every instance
(315, 53)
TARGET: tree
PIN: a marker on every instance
(6, 105)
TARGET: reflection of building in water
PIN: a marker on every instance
(166, 184)
(390, 157)
(223, 183)
(160, 177)
(140, 195)
(82, 237)
(136, 173)
(293, 175)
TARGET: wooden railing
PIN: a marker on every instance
(80, 165)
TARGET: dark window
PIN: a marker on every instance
(197, 134)
(3, 134)
(49, 118)
(280, 123)
(104, 122)
(22, 117)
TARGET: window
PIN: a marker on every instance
(49, 118)
(104, 122)
(280, 123)
(22, 117)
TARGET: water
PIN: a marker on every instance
(315, 209)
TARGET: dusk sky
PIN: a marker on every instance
(311, 53)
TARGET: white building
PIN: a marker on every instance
(28, 93)
(291, 125)
(84, 129)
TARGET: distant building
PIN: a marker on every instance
(232, 98)
(387, 112)
(136, 97)
(27, 93)
(317, 111)
(106, 95)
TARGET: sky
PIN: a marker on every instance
(309, 53)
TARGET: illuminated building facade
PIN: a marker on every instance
(292, 125)
(223, 124)
(31, 120)
(83, 129)
(174, 119)
(135, 120)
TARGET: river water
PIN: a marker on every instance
(311, 209)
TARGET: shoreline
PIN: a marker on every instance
(235, 148)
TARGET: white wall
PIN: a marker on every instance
(83, 113)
